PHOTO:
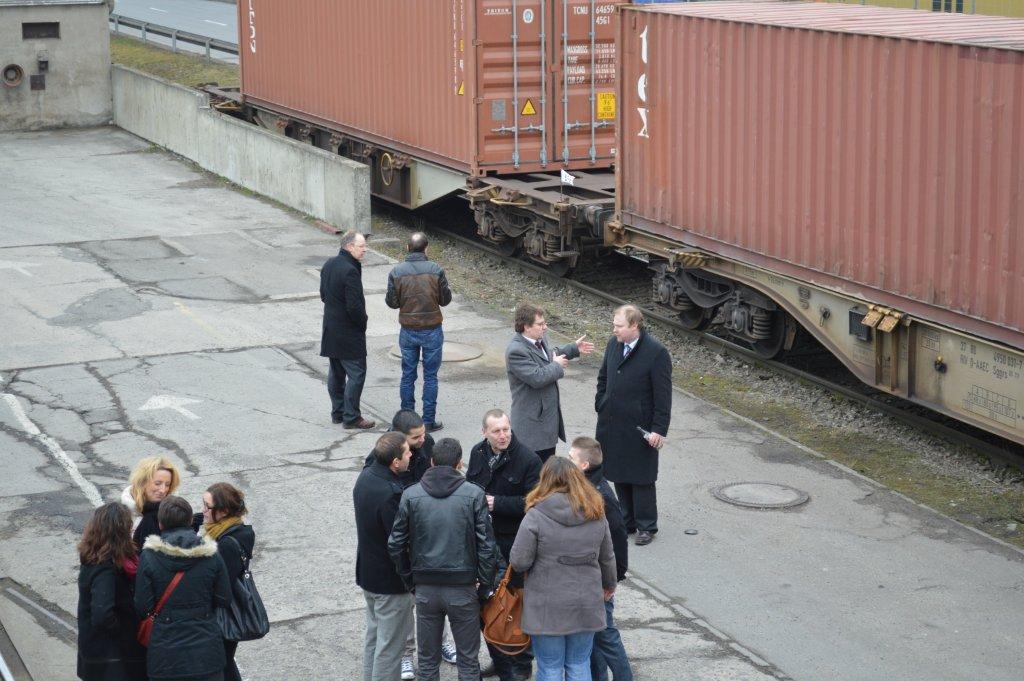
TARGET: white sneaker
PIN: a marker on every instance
(407, 671)
(448, 652)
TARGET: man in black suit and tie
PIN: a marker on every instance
(634, 388)
(534, 367)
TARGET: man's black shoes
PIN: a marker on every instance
(434, 427)
(643, 538)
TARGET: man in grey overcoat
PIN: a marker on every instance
(534, 367)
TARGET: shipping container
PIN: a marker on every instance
(479, 87)
(875, 152)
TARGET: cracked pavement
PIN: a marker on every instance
(135, 277)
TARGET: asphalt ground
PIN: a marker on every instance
(149, 309)
(203, 17)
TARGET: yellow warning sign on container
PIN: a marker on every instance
(528, 109)
(605, 105)
(462, 88)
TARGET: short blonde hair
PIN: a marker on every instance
(144, 472)
(632, 315)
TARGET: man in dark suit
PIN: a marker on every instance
(344, 332)
(634, 388)
(534, 367)
(608, 651)
(507, 471)
(376, 495)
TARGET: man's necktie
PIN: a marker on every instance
(540, 346)
(625, 351)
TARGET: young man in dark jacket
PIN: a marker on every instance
(344, 330)
(421, 445)
(419, 289)
(186, 642)
(442, 545)
(608, 652)
(388, 602)
(507, 471)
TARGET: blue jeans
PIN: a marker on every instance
(609, 653)
(563, 658)
(412, 342)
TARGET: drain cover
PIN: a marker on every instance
(760, 495)
(453, 352)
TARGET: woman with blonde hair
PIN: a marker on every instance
(565, 548)
(153, 479)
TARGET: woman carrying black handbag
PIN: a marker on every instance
(223, 509)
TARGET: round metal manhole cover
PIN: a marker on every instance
(764, 495)
(452, 352)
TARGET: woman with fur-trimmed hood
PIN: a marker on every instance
(186, 642)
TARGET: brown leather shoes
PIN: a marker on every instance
(360, 424)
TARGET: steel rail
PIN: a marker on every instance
(992, 451)
(175, 35)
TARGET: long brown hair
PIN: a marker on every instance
(561, 475)
(107, 536)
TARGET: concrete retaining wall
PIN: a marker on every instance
(324, 185)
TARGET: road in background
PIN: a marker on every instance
(204, 17)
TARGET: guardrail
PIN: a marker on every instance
(175, 35)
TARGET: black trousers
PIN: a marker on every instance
(639, 506)
(510, 666)
(231, 669)
(546, 454)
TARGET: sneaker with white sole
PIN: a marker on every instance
(408, 673)
(448, 652)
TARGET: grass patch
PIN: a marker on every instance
(187, 69)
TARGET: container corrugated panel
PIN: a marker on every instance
(873, 151)
(469, 84)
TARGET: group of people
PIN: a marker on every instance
(435, 533)
(149, 552)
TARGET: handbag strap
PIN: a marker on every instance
(167, 593)
(245, 557)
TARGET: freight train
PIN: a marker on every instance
(851, 171)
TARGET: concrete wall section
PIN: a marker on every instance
(74, 88)
(324, 185)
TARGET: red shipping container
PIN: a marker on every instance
(479, 86)
(873, 151)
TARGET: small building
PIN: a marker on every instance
(54, 63)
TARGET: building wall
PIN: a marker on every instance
(77, 82)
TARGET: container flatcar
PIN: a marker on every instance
(856, 170)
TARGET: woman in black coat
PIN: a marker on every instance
(153, 479)
(186, 641)
(107, 649)
(223, 509)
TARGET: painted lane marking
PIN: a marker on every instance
(214, 22)
(172, 402)
(157, 9)
(89, 489)
(18, 267)
(32, 604)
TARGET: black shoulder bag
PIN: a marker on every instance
(246, 618)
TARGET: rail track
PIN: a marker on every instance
(807, 367)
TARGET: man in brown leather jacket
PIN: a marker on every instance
(419, 289)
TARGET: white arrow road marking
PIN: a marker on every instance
(18, 267)
(171, 402)
(90, 490)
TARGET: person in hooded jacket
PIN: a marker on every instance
(186, 641)
(107, 623)
(223, 511)
(153, 479)
(608, 653)
(565, 547)
(442, 546)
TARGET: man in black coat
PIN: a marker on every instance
(375, 497)
(507, 471)
(344, 331)
(442, 545)
(608, 651)
(634, 389)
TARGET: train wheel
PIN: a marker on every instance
(696, 318)
(560, 268)
(783, 328)
(506, 248)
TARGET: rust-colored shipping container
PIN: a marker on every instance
(875, 152)
(477, 86)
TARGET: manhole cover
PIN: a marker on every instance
(760, 495)
(453, 352)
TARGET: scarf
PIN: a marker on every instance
(215, 530)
